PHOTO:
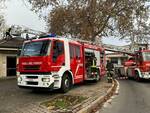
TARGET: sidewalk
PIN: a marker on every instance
(95, 94)
(7, 78)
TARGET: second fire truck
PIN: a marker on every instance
(138, 66)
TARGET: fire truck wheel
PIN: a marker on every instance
(66, 83)
(137, 78)
(97, 78)
(127, 74)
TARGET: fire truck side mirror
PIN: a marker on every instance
(19, 51)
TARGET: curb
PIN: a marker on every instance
(7, 78)
(99, 101)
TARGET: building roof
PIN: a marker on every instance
(12, 43)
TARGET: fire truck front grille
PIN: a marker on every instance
(32, 83)
(32, 67)
(32, 77)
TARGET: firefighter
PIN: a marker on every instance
(27, 36)
(8, 35)
(110, 73)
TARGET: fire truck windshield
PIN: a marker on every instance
(38, 48)
(146, 56)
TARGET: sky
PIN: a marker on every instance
(17, 13)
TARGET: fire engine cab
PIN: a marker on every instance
(58, 63)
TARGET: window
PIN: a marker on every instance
(39, 48)
(74, 51)
(102, 54)
(114, 60)
(146, 56)
(77, 51)
(58, 49)
(71, 49)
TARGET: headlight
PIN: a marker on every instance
(19, 79)
(46, 79)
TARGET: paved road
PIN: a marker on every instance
(16, 100)
(133, 97)
(12, 98)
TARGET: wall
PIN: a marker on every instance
(3, 65)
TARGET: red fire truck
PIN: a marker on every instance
(58, 63)
(138, 67)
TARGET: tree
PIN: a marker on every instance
(2, 20)
(91, 18)
(2, 25)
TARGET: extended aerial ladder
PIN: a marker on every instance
(23, 31)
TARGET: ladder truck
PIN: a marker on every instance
(138, 67)
(58, 63)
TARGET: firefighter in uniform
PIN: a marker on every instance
(8, 33)
(110, 73)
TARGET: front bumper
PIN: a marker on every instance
(50, 88)
(35, 81)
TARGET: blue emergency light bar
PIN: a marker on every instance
(49, 35)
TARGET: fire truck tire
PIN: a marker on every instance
(66, 83)
(137, 78)
(98, 78)
(127, 74)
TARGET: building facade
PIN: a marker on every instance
(8, 56)
(117, 58)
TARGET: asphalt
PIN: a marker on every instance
(12, 98)
(16, 100)
(133, 97)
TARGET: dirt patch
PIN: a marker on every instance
(63, 102)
